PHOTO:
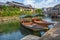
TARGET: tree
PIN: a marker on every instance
(38, 11)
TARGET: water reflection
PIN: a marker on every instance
(50, 26)
(56, 19)
(26, 31)
(49, 19)
(17, 35)
(11, 36)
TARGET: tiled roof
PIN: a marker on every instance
(16, 4)
(57, 5)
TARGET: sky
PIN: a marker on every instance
(37, 3)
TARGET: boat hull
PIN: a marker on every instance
(35, 29)
(43, 24)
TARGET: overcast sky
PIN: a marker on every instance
(37, 3)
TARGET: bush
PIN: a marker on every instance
(9, 11)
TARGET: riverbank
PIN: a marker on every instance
(52, 34)
(9, 19)
(9, 24)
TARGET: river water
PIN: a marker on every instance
(17, 35)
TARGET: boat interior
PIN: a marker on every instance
(27, 22)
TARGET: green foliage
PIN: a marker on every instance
(38, 11)
(26, 12)
(9, 11)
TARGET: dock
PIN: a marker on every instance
(52, 34)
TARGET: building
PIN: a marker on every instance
(53, 11)
(21, 6)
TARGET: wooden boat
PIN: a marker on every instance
(41, 22)
(33, 26)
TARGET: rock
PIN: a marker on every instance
(31, 37)
(52, 34)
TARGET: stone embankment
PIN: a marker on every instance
(52, 34)
(31, 37)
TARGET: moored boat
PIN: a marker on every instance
(41, 22)
(31, 25)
